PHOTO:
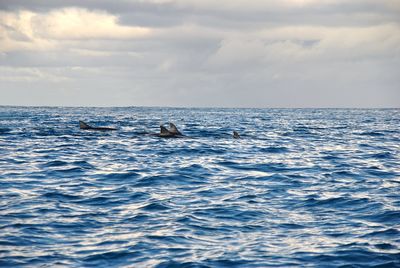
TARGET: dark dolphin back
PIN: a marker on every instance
(83, 125)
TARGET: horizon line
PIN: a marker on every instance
(187, 107)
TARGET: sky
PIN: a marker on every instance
(200, 53)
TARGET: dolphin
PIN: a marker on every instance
(172, 132)
(84, 126)
(236, 135)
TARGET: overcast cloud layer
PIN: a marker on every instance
(226, 53)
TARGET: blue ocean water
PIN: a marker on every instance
(302, 188)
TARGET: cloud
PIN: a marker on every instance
(308, 43)
(27, 30)
(202, 53)
(26, 74)
(17, 33)
(73, 23)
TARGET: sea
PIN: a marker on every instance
(300, 188)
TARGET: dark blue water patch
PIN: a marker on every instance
(83, 215)
(391, 232)
(76, 228)
(137, 196)
(372, 133)
(248, 216)
(302, 129)
(129, 175)
(16, 241)
(121, 191)
(377, 171)
(14, 161)
(338, 234)
(100, 201)
(389, 264)
(388, 217)
(351, 257)
(229, 262)
(382, 155)
(292, 226)
(22, 261)
(13, 195)
(53, 259)
(155, 206)
(83, 164)
(274, 150)
(176, 264)
(282, 181)
(66, 172)
(230, 213)
(60, 196)
(115, 258)
(140, 218)
(234, 165)
(366, 145)
(171, 240)
(17, 215)
(188, 219)
(213, 192)
(54, 163)
(344, 174)
(5, 131)
(205, 229)
(271, 167)
(385, 246)
(344, 203)
(23, 240)
(213, 133)
(110, 243)
(43, 132)
(191, 151)
(195, 169)
(6, 243)
(247, 197)
(166, 180)
(332, 157)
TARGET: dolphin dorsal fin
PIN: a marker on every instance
(163, 130)
(83, 125)
(173, 129)
(236, 135)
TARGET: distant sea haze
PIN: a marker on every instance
(301, 187)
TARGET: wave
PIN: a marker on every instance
(302, 187)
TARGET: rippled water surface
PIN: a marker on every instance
(303, 187)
